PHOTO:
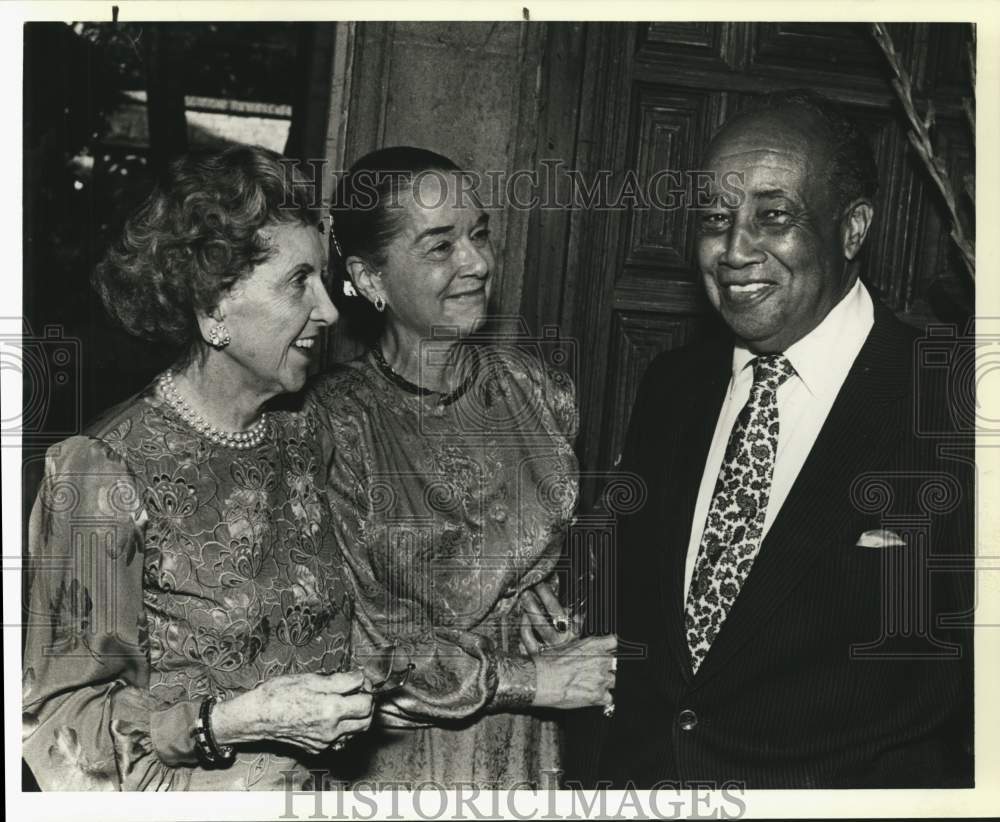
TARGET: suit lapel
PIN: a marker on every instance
(859, 427)
(699, 403)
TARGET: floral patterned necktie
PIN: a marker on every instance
(735, 519)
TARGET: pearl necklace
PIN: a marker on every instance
(250, 438)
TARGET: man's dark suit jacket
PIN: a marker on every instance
(787, 697)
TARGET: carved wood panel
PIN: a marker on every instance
(636, 340)
(672, 125)
(712, 45)
(834, 51)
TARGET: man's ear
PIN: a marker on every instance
(854, 228)
(366, 281)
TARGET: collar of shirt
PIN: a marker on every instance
(823, 357)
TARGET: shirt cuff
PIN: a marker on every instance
(170, 732)
(516, 680)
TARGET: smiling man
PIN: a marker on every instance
(757, 583)
(776, 264)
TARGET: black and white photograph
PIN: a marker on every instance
(540, 417)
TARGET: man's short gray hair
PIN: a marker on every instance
(852, 173)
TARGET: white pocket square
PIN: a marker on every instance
(880, 538)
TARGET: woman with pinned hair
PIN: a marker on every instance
(189, 618)
(452, 479)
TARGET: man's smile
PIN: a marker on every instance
(745, 295)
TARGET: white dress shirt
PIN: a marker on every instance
(821, 360)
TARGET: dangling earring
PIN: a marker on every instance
(218, 336)
(380, 303)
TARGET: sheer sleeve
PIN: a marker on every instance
(89, 720)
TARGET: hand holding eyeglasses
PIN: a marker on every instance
(395, 678)
(311, 711)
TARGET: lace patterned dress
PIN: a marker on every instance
(446, 509)
(165, 569)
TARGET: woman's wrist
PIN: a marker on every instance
(516, 683)
(233, 720)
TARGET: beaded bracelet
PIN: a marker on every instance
(209, 751)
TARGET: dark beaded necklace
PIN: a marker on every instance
(419, 390)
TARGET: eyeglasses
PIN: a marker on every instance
(394, 679)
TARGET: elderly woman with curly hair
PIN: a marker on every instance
(189, 624)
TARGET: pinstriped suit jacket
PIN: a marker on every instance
(839, 665)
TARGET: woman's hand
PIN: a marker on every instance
(311, 711)
(577, 674)
(545, 623)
